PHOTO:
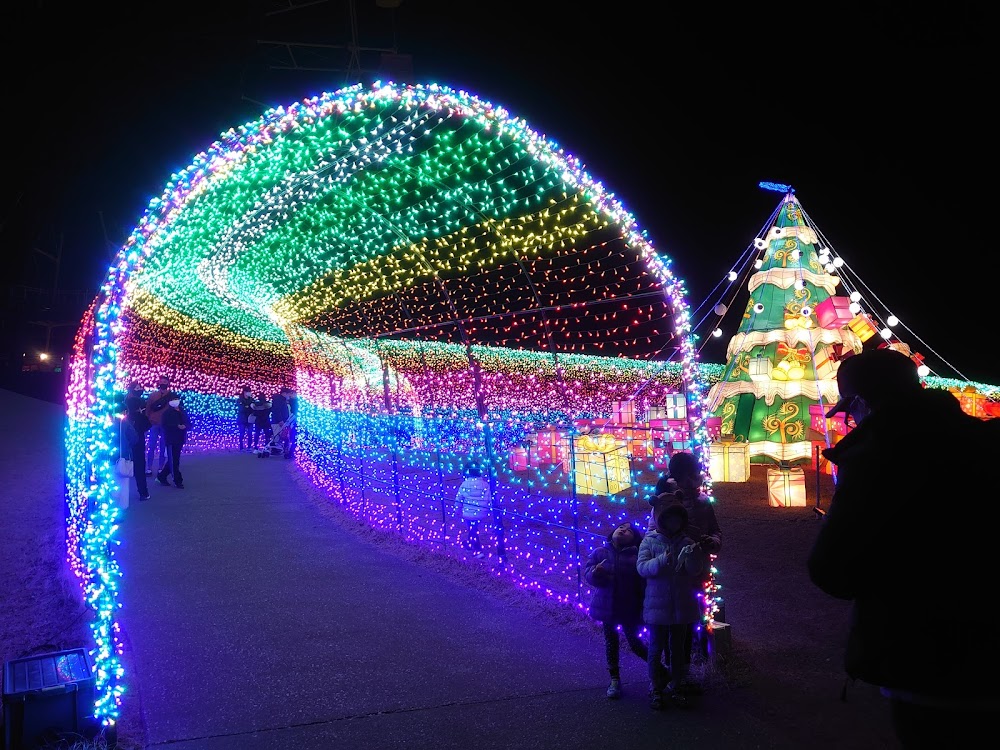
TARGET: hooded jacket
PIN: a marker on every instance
(618, 588)
(904, 540)
(671, 594)
(472, 500)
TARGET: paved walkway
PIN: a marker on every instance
(254, 619)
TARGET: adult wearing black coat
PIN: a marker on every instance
(903, 539)
(244, 427)
(175, 430)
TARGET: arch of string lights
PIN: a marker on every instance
(442, 286)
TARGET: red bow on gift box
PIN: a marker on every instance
(801, 354)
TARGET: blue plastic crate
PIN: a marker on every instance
(46, 695)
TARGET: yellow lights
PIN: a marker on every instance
(729, 461)
(786, 487)
(402, 250)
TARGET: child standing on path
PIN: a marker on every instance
(672, 564)
(683, 484)
(618, 597)
(472, 503)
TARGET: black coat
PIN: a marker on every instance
(244, 407)
(279, 409)
(909, 539)
(172, 421)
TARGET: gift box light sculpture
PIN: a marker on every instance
(435, 279)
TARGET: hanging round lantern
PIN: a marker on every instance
(720, 309)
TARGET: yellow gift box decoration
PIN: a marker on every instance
(786, 487)
(601, 465)
(863, 326)
(728, 460)
(971, 400)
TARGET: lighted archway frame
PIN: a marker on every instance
(423, 268)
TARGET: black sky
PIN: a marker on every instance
(879, 121)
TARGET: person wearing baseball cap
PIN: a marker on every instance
(885, 546)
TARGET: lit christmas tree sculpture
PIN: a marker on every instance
(784, 358)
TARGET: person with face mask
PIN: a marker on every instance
(175, 431)
(906, 540)
(244, 427)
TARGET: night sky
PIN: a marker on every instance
(877, 120)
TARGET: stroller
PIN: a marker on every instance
(279, 439)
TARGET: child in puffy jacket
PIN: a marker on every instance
(672, 564)
(473, 504)
(617, 598)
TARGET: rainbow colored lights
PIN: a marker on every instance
(441, 285)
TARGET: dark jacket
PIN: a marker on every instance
(172, 421)
(135, 403)
(128, 438)
(618, 588)
(908, 538)
(262, 411)
(244, 408)
(279, 409)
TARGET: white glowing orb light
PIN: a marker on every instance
(733, 276)
(800, 284)
(838, 261)
(923, 371)
(854, 307)
(829, 268)
(892, 321)
(885, 333)
(758, 263)
(758, 308)
(855, 296)
(717, 332)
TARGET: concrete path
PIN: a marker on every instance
(254, 619)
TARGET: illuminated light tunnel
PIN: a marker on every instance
(442, 286)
